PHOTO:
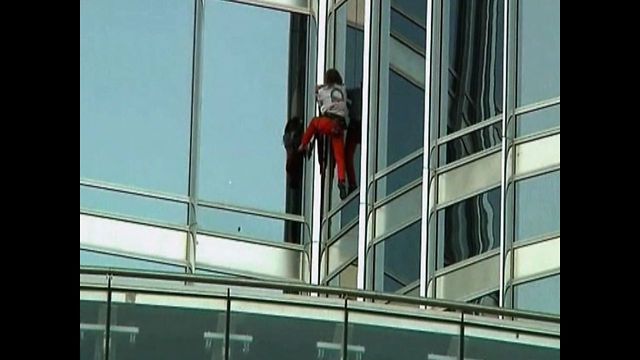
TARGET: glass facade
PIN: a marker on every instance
(469, 228)
(397, 260)
(537, 210)
(243, 112)
(541, 295)
(454, 138)
(471, 75)
(538, 69)
(135, 115)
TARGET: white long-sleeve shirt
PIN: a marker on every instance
(333, 100)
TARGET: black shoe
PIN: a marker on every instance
(343, 190)
(352, 188)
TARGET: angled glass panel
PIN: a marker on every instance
(538, 121)
(541, 295)
(471, 72)
(537, 206)
(250, 226)
(128, 205)
(416, 9)
(347, 278)
(402, 133)
(397, 259)
(538, 50)
(399, 178)
(396, 213)
(466, 145)
(97, 259)
(469, 178)
(343, 249)
(135, 92)
(405, 28)
(249, 91)
(469, 228)
(469, 281)
(345, 216)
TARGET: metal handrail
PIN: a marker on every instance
(326, 290)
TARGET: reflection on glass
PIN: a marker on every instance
(483, 348)
(345, 216)
(290, 337)
(343, 250)
(537, 206)
(347, 278)
(416, 9)
(247, 98)
(471, 71)
(538, 50)
(135, 92)
(541, 295)
(350, 35)
(397, 212)
(398, 260)
(96, 259)
(93, 315)
(382, 343)
(469, 228)
(141, 331)
(400, 117)
(407, 30)
(399, 178)
(133, 206)
(348, 47)
(479, 140)
(402, 134)
(538, 121)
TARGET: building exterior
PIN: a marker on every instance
(182, 171)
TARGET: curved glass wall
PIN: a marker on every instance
(182, 164)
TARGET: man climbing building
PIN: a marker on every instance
(332, 122)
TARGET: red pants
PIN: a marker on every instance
(327, 126)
